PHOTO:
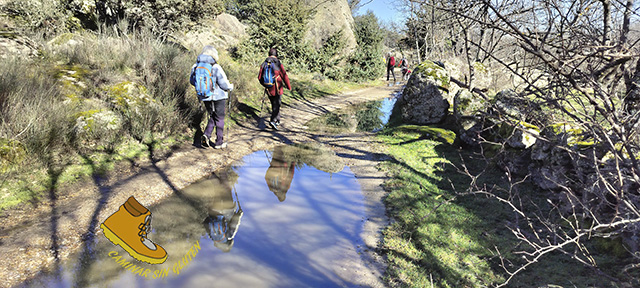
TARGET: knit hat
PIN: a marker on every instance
(209, 50)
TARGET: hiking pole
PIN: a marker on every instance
(228, 112)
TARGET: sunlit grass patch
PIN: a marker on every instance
(438, 237)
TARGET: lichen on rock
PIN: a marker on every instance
(129, 95)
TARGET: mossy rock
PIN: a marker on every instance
(435, 72)
(465, 104)
(511, 104)
(72, 78)
(12, 152)
(64, 39)
(430, 132)
(573, 135)
(619, 148)
(127, 95)
(97, 121)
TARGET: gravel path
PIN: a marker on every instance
(39, 237)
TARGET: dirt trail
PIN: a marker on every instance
(37, 238)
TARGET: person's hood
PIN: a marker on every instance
(209, 55)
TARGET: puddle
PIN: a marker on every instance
(283, 218)
(386, 107)
(370, 117)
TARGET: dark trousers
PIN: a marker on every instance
(390, 70)
(215, 109)
(276, 102)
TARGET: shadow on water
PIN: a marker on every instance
(282, 218)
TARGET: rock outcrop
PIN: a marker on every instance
(12, 43)
(224, 31)
(331, 16)
(424, 99)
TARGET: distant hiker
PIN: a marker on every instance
(212, 87)
(404, 67)
(272, 75)
(391, 63)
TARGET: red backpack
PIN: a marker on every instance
(392, 61)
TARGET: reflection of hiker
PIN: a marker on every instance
(272, 75)
(391, 63)
(224, 216)
(404, 67)
(280, 174)
(212, 86)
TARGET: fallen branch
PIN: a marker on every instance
(475, 89)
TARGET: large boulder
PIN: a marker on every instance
(510, 105)
(223, 32)
(468, 111)
(331, 17)
(424, 99)
(555, 165)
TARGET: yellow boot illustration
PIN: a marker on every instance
(128, 227)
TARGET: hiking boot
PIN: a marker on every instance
(128, 227)
(221, 146)
(206, 142)
(273, 125)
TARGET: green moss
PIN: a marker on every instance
(73, 97)
(129, 94)
(432, 70)
(87, 118)
(430, 132)
(12, 152)
(72, 78)
(479, 67)
(61, 39)
(529, 126)
(618, 147)
(575, 136)
(463, 103)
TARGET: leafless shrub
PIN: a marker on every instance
(580, 60)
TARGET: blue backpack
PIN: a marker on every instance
(269, 74)
(204, 81)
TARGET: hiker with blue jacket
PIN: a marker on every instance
(212, 87)
(273, 81)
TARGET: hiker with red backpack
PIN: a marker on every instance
(212, 88)
(272, 76)
(404, 67)
(391, 63)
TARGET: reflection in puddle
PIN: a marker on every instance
(282, 218)
(370, 117)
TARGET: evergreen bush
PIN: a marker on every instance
(365, 63)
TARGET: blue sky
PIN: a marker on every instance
(385, 10)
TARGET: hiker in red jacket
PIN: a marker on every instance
(276, 90)
(391, 63)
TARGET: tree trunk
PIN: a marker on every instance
(632, 99)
